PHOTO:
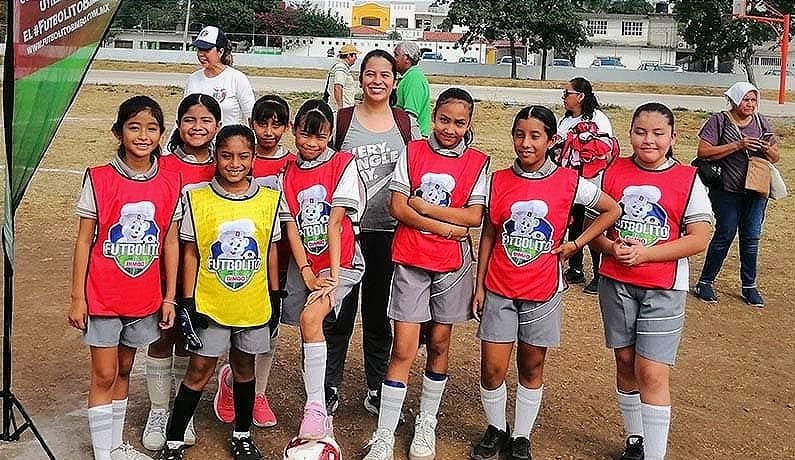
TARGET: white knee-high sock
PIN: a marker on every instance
(629, 404)
(100, 423)
(315, 372)
(181, 364)
(431, 397)
(391, 404)
(494, 402)
(656, 422)
(158, 381)
(119, 413)
(528, 402)
(263, 363)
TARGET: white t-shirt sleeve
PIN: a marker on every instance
(348, 193)
(400, 178)
(602, 122)
(480, 190)
(86, 204)
(587, 193)
(284, 209)
(186, 230)
(179, 211)
(698, 207)
(245, 96)
(276, 234)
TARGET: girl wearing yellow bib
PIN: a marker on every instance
(229, 269)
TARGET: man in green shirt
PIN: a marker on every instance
(413, 92)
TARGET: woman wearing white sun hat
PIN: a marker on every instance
(217, 78)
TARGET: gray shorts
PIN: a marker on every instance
(112, 331)
(418, 296)
(534, 323)
(217, 340)
(650, 319)
(297, 292)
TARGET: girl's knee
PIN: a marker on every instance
(491, 376)
(103, 378)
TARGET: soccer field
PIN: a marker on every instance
(732, 387)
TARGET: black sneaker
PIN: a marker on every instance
(705, 293)
(244, 449)
(172, 454)
(574, 276)
(492, 445)
(592, 288)
(332, 400)
(753, 298)
(520, 449)
(633, 449)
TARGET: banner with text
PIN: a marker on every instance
(49, 47)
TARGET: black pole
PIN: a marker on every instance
(11, 430)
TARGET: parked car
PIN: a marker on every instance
(671, 68)
(562, 63)
(432, 57)
(649, 66)
(508, 60)
(468, 60)
(608, 63)
(777, 72)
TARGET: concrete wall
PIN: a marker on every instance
(455, 69)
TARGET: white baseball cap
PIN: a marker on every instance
(210, 37)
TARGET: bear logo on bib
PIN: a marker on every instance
(133, 241)
(313, 219)
(436, 188)
(527, 234)
(642, 219)
(234, 256)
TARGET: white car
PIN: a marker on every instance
(508, 60)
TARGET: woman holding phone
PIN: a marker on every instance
(731, 138)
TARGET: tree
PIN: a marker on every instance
(540, 25)
(707, 25)
(630, 7)
(150, 14)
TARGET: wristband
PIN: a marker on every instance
(576, 245)
(302, 267)
(170, 301)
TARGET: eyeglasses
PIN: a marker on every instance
(567, 93)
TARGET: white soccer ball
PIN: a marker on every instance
(310, 449)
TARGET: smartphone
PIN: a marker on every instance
(766, 137)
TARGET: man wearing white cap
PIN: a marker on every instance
(229, 86)
(340, 86)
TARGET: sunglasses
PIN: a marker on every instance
(567, 93)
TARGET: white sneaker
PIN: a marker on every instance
(154, 437)
(127, 452)
(190, 434)
(381, 445)
(423, 445)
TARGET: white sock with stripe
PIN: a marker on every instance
(263, 362)
(528, 403)
(494, 402)
(391, 404)
(100, 423)
(315, 372)
(629, 405)
(181, 364)
(431, 397)
(119, 413)
(158, 381)
(656, 423)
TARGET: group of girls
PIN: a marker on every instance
(211, 218)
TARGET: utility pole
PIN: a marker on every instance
(185, 32)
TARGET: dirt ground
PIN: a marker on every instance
(733, 394)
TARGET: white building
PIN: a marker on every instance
(341, 8)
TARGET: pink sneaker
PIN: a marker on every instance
(314, 425)
(224, 401)
(263, 415)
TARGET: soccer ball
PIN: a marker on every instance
(310, 449)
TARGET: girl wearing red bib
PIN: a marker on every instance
(438, 192)
(323, 197)
(198, 119)
(128, 213)
(644, 273)
(520, 281)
